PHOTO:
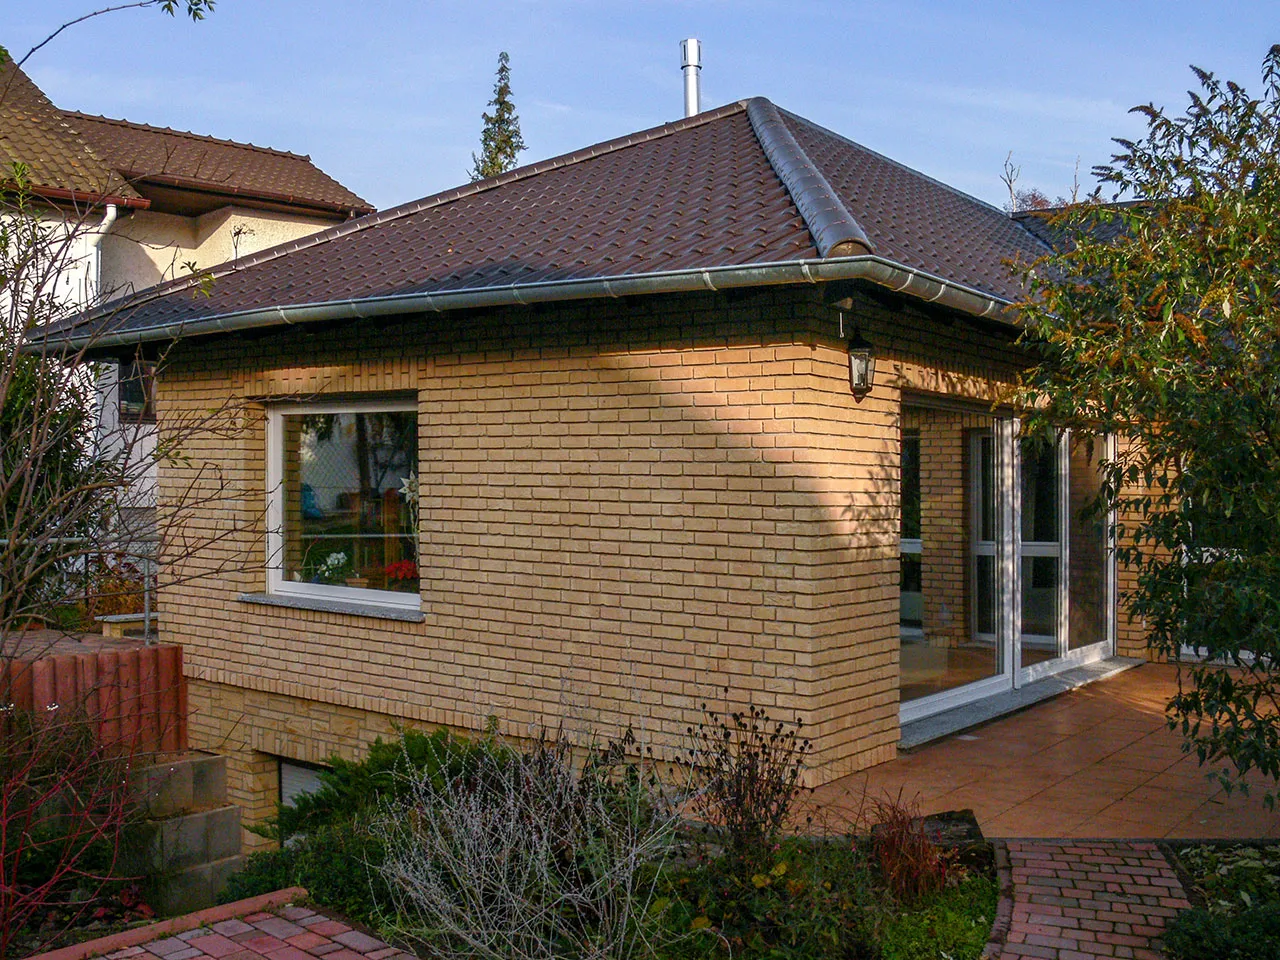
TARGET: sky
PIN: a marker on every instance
(386, 95)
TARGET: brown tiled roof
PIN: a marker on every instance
(741, 185)
(144, 153)
(916, 220)
(34, 132)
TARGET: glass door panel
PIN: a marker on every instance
(1089, 563)
(948, 637)
(1040, 550)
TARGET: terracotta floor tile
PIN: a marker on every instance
(1098, 761)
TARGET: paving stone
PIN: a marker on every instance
(360, 942)
(307, 941)
(1092, 917)
(289, 953)
(166, 947)
(215, 944)
(230, 928)
(279, 927)
(296, 913)
(328, 928)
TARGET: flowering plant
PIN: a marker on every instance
(401, 570)
(335, 567)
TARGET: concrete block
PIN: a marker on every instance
(192, 888)
(223, 832)
(184, 841)
(164, 789)
(208, 780)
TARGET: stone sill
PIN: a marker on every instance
(377, 611)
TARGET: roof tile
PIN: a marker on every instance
(700, 193)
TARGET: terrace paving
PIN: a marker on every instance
(1098, 762)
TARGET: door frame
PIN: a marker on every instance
(1008, 553)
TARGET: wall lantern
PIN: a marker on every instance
(862, 364)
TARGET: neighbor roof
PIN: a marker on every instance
(743, 195)
(34, 132)
(157, 156)
(76, 156)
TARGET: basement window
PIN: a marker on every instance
(298, 778)
(343, 502)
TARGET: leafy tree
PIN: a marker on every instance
(1159, 323)
(500, 140)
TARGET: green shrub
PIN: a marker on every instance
(326, 845)
(352, 788)
(954, 923)
(1234, 878)
(1249, 935)
(337, 863)
(817, 900)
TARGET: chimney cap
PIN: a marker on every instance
(691, 53)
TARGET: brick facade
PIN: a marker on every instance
(626, 507)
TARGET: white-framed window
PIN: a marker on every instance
(342, 502)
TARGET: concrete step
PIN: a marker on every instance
(192, 888)
(183, 841)
(191, 781)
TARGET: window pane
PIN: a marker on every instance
(350, 499)
(1087, 579)
(986, 598)
(1039, 492)
(136, 387)
(910, 528)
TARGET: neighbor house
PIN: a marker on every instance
(596, 442)
(143, 204)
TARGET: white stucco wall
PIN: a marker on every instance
(145, 248)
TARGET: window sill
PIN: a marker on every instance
(324, 605)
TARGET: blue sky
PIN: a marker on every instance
(386, 95)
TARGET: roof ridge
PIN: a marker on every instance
(439, 199)
(186, 134)
(836, 232)
(897, 163)
(923, 176)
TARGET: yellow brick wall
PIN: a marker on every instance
(625, 508)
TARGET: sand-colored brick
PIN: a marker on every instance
(627, 507)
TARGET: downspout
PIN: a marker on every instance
(95, 241)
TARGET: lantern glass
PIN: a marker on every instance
(862, 366)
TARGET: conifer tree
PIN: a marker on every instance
(500, 140)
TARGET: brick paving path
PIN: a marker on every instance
(1076, 900)
(288, 933)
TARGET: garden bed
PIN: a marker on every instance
(1234, 888)
(478, 848)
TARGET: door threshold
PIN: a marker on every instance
(926, 729)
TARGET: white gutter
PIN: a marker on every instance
(869, 267)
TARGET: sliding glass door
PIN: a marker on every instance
(1006, 577)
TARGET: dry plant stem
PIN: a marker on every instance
(527, 858)
(63, 795)
(67, 476)
(751, 767)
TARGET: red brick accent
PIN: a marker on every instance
(173, 926)
(1082, 899)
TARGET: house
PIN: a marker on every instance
(143, 204)
(593, 441)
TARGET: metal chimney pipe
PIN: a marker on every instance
(691, 61)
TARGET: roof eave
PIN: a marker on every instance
(63, 195)
(886, 273)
